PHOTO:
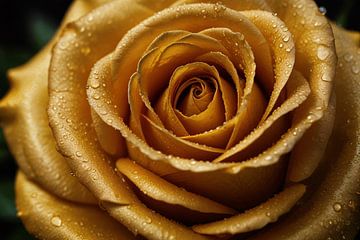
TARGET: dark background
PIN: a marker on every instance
(25, 26)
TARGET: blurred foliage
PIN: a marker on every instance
(25, 30)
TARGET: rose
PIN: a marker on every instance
(120, 89)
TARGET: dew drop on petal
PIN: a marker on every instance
(286, 38)
(337, 207)
(322, 53)
(322, 10)
(96, 96)
(325, 77)
(56, 221)
(355, 69)
(78, 154)
(348, 57)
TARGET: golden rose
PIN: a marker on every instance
(189, 120)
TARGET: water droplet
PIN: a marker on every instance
(19, 214)
(351, 204)
(268, 214)
(281, 45)
(286, 38)
(337, 207)
(96, 96)
(355, 69)
(56, 221)
(325, 77)
(322, 10)
(94, 84)
(78, 154)
(322, 53)
(348, 57)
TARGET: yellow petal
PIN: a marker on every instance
(298, 91)
(110, 139)
(332, 210)
(80, 46)
(252, 102)
(282, 47)
(240, 190)
(156, 135)
(257, 217)
(153, 226)
(23, 115)
(159, 189)
(312, 145)
(48, 217)
(182, 76)
(236, 5)
(219, 136)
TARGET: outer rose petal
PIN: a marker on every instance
(26, 126)
(48, 217)
(333, 208)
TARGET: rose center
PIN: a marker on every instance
(194, 96)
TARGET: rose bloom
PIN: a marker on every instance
(189, 119)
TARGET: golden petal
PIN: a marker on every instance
(23, 115)
(312, 145)
(252, 102)
(73, 56)
(49, 217)
(229, 97)
(110, 139)
(258, 217)
(332, 210)
(236, 5)
(315, 49)
(215, 109)
(242, 190)
(159, 189)
(156, 135)
(298, 91)
(143, 221)
(282, 48)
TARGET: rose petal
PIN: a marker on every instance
(141, 220)
(156, 135)
(312, 145)
(26, 124)
(298, 91)
(68, 104)
(282, 47)
(257, 217)
(236, 5)
(242, 190)
(161, 190)
(332, 210)
(48, 217)
(110, 139)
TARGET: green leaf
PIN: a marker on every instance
(7, 200)
(344, 13)
(41, 27)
